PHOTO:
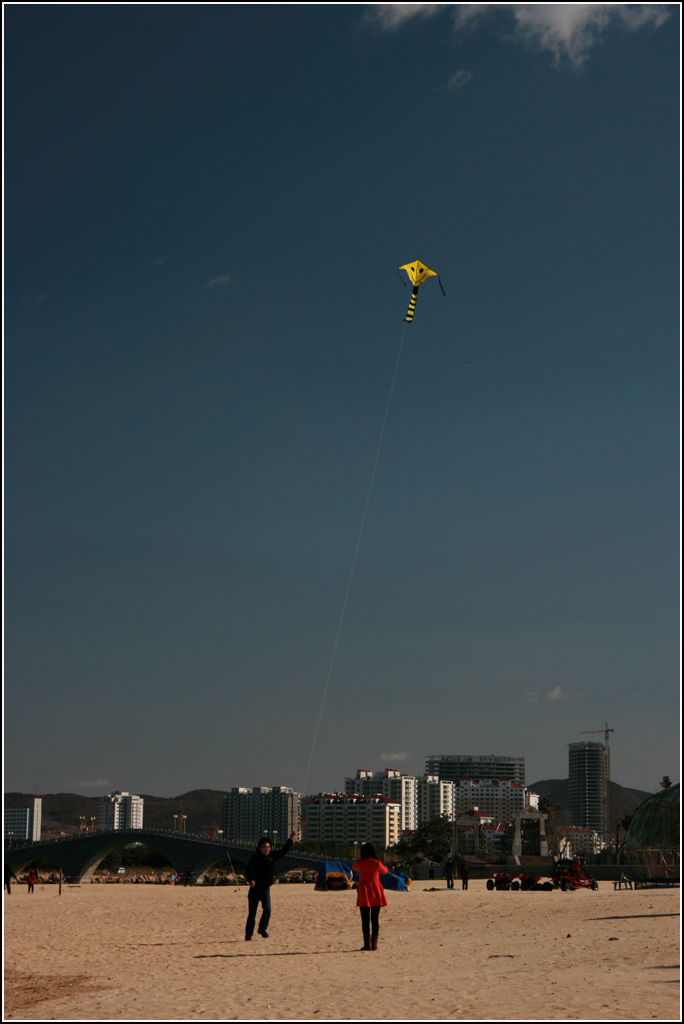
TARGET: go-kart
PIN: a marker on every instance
(569, 875)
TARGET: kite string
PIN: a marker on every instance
(356, 551)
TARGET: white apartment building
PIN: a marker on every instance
(354, 819)
(500, 798)
(390, 783)
(24, 822)
(576, 841)
(120, 810)
(433, 799)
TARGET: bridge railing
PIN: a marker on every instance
(166, 833)
(195, 836)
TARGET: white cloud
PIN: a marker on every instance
(556, 694)
(223, 279)
(565, 30)
(395, 757)
(392, 15)
(459, 79)
(532, 696)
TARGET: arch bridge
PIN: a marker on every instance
(79, 856)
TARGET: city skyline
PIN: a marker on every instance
(339, 787)
(206, 209)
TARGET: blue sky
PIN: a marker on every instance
(205, 210)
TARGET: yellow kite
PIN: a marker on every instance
(417, 273)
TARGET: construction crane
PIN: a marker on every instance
(212, 829)
(606, 731)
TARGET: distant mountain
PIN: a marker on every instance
(63, 810)
(623, 801)
(200, 807)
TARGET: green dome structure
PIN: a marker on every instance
(655, 825)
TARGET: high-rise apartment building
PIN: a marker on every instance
(120, 810)
(354, 819)
(452, 767)
(434, 798)
(390, 783)
(587, 785)
(249, 814)
(24, 822)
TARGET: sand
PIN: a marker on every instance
(149, 952)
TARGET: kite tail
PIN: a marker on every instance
(412, 305)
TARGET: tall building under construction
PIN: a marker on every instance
(587, 784)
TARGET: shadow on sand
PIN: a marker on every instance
(628, 917)
(295, 952)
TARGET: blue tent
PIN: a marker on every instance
(395, 880)
(333, 875)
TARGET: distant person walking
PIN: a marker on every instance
(9, 874)
(31, 880)
(187, 877)
(370, 895)
(260, 878)
(465, 871)
(450, 872)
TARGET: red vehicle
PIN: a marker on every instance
(533, 883)
(569, 875)
(528, 883)
(500, 880)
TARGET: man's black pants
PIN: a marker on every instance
(254, 898)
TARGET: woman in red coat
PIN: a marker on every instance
(370, 895)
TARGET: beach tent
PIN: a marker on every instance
(333, 875)
(395, 880)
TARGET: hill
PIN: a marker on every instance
(623, 801)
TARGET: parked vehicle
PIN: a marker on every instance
(527, 883)
(500, 880)
(569, 875)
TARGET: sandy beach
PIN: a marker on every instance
(147, 952)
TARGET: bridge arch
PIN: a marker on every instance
(79, 856)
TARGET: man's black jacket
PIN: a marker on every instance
(260, 867)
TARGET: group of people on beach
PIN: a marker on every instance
(450, 873)
(31, 879)
(370, 895)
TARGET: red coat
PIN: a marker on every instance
(369, 892)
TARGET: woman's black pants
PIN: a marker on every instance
(370, 915)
